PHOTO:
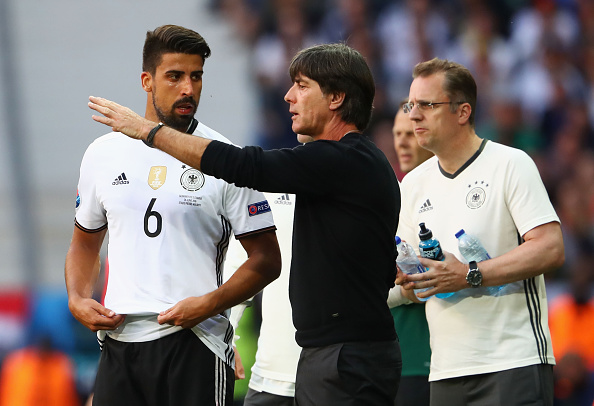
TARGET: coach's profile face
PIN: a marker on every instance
(309, 106)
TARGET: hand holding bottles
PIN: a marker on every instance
(430, 247)
(408, 262)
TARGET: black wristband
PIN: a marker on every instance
(150, 139)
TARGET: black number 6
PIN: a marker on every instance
(150, 213)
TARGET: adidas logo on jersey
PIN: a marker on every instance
(121, 180)
(426, 206)
(284, 199)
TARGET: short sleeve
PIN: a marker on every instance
(247, 210)
(89, 213)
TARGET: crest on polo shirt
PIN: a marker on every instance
(477, 194)
(157, 176)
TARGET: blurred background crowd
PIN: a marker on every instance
(534, 65)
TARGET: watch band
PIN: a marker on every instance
(150, 139)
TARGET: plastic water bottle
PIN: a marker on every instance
(472, 250)
(408, 262)
(430, 247)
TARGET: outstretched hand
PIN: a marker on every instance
(120, 118)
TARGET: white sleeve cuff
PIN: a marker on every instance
(396, 298)
(237, 312)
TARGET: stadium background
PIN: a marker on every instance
(533, 61)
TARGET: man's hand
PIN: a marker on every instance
(406, 288)
(239, 369)
(120, 118)
(187, 313)
(444, 276)
(92, 315)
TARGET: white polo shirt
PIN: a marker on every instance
(498, 197)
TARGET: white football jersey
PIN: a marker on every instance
(278, 354)
(498, 197)
(169, 227)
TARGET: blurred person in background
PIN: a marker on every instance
(410, 154)
(165, 316)
(270, 60)
(409, 320)
(410, 31)
(571, 320)
(38, 375)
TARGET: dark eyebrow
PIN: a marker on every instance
(179, 72)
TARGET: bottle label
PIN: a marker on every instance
(431, 253)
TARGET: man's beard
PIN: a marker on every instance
(180, 123)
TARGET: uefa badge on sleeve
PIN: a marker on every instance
(258, 208)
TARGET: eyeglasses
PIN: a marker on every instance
(424, 106)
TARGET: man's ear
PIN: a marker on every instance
(147, 81)
(464, 115)
(336, 100)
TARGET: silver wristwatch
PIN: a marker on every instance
(474, 277)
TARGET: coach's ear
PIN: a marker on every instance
(147, 81)
(336, 100)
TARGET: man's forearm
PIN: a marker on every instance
(184, 147)
(82, 265)
(541, 252)
(81, 274)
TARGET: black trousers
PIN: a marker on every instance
(525, 386)
(174, 370)
(349, 374)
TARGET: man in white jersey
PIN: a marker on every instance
(486, 349)
(165, 318)
(272, 380)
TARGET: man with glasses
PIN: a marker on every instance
(486, 349)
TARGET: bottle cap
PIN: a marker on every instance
(459, 233)
(425, 233)
(398, 240)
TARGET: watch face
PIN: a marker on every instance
(474, 278)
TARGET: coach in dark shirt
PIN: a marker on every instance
(346, 216)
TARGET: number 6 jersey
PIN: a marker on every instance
(169, 224)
